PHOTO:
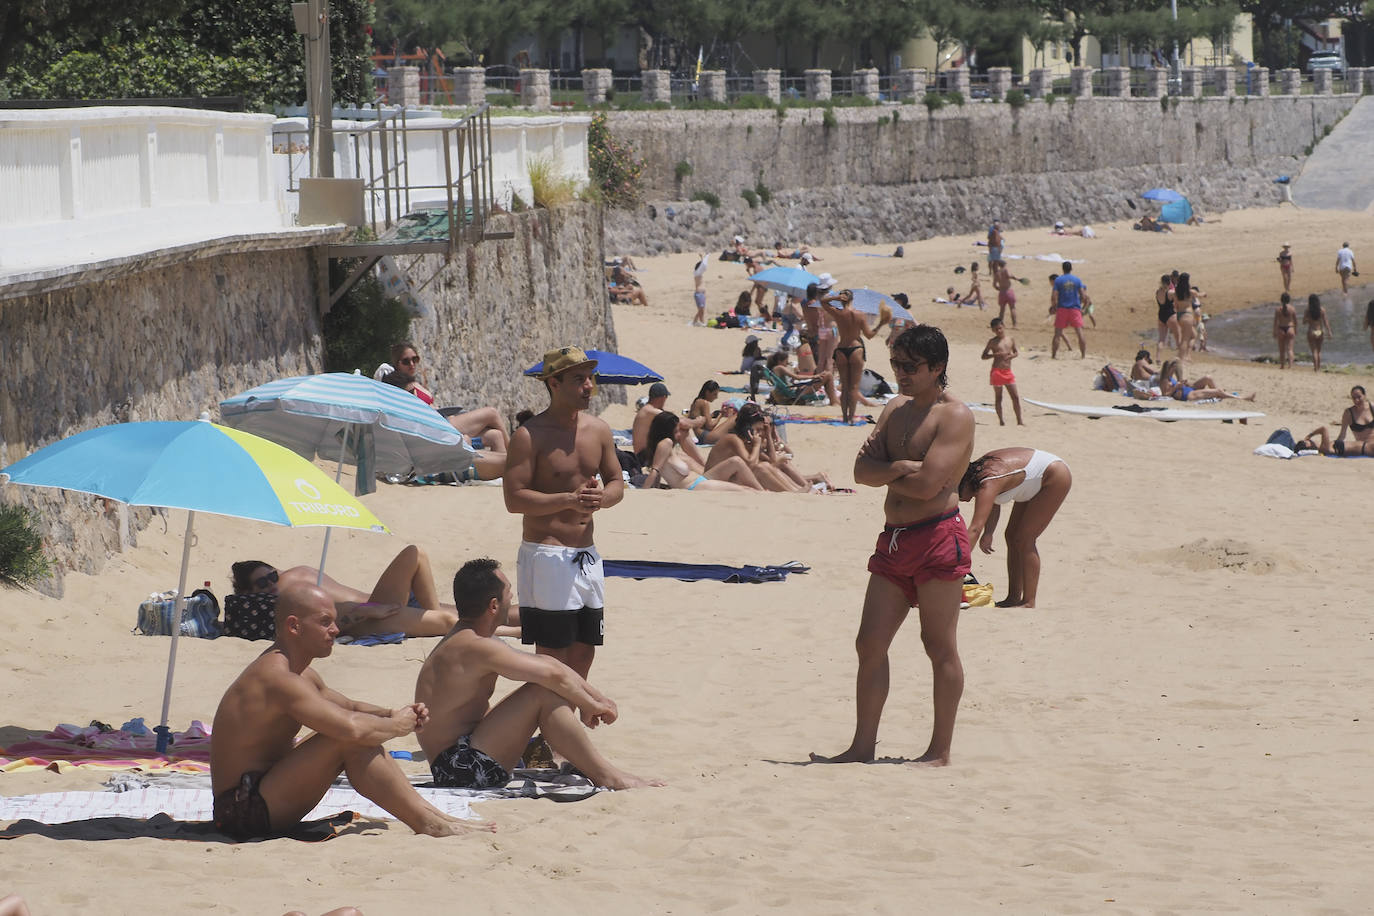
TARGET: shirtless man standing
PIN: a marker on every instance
(562, 468)
(1006, 296)
(1001, 349)
(263, 781)
(919, 452)
(472, 745)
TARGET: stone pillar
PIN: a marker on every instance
(1081, 83)
(595, 85)
(1354, 79)
(1368, 84)
(818, 85)
(1224, 81)
(1321, 82)
(1259, 81)
(1118, 82)
(1156, 83)
(1040, 82)
(999, 82)
(534, 89)
(866, 83)
(712, 86)
(768, 83)
(911, 84)
(469, 85)
(1290, 82)
(656, 86)
(958, 80)
(1190, 86)
(403, 86)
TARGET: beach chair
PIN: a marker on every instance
(785, 391)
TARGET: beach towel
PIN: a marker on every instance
(103, 748)
(700, 572)
(859, 420)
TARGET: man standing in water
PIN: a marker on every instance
(561, 468)
(919, 451)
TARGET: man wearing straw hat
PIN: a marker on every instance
(561, 468)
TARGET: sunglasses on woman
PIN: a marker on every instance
(261, 582)
(409, 360)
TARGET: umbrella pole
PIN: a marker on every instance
(164, 734)
(338, 475)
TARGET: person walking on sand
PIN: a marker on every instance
(1345, 266)
(1067, 303)
(263, 781)
(560, 471)
(922, 444)
(699, 292)
(1318, 328)
(1285, 330)
(1037, 483)
(850, 353)
(471, 744)
(1001, 349)
(1006, 296)
(995, 242)
(1285, 260)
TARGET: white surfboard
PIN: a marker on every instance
(1150, 412)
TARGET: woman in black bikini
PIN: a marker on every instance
(1164, 300)
(850, 352)
(1358, 418)
(1183, 314)
(1285, 330)
(1317, 327)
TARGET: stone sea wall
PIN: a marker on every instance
(168, 335)
(894, 173)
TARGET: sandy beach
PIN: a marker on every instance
(1178, 727)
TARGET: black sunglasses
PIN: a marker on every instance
(262, 582)
(908, 367)
(408, 360)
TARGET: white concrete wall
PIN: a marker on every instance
(515, 142)
(81, 186)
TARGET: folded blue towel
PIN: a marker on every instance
(697, 572)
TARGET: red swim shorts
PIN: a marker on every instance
(911, 555)
(1002, 377)
(1068, 318)
(1006, 297)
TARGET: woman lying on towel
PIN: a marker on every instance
(1202, 388)
(1037, 483)
(403, 600)
(482, 425)
(666, 463)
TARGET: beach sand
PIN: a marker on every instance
(1180, 726)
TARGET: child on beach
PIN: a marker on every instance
(975, 290)
(1001, 349)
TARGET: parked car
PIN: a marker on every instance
(1325, 60)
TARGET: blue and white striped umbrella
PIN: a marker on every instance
(391, 431)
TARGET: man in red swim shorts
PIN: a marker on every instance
(919, 451)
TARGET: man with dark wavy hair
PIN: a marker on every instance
(919, 451)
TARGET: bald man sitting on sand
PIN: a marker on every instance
(264, 782)
(473, 745)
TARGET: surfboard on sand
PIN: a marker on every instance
(1149, 411)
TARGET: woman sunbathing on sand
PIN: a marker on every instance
(751, 439)
(1202, 388)
(701, 407)
(1037, 483)
(1358, 419)
(666, 463)
(403, 600)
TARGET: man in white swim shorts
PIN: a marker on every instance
(561, 468)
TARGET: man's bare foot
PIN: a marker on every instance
(931, 759)
(1008, 602)
(849, 756)
(631, 781)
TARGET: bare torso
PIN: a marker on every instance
(457, 693)
(908, 434)
(252, 732)
(564, 460)
(851, 326)
(1001, 350)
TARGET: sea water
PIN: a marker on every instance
(1249, 333)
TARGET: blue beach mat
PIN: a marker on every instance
(700, 572)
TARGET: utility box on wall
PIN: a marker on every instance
(328, 201)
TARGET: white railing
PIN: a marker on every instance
(86, 185)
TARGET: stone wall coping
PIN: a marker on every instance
(125, 114)
(68, 276)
